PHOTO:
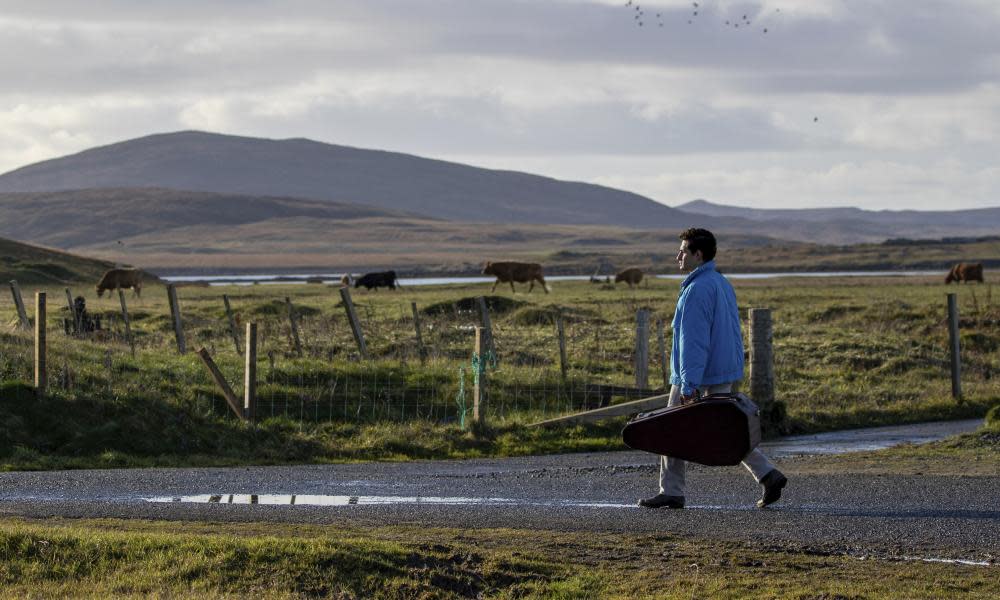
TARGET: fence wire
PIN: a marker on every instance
(324, 377)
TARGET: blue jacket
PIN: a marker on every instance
(707, 345)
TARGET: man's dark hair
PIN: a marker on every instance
(700, 239)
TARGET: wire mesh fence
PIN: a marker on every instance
(310, 368)
(328, 380)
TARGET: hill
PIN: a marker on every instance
(259, 180)
(174, 231)
(301, 168)
(27, 263)
(92, 217)
(844, 224)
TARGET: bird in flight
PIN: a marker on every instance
(696, 11)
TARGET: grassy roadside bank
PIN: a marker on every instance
(48, 433)
(54, 433)
(145, 558)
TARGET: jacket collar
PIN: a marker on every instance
(708, 266)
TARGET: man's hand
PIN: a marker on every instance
(688, 398)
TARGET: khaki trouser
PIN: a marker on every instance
(672, 470)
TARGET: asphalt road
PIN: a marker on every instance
(917, 516)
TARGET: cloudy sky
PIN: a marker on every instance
(891, 104)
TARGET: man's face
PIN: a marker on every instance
(688, 261)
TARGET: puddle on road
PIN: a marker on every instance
(866, 440)
(951, 561)
(328, 500)
(324, 500)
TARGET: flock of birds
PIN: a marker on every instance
(640, 17)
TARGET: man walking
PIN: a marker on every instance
(707, 358)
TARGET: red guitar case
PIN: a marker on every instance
(720, 429)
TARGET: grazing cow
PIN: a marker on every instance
(509, 272)
(630, 276)
(115, 279)
(377, 280)
(965, 272)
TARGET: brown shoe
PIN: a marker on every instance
(662, 501)
(772, 482)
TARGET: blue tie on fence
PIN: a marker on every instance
(479, 365)
(460, 398)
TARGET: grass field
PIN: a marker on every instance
(153, 229)
(126, 559)
(848, 352)
(303, 245)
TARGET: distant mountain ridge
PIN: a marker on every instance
(704, 207)
(254, 179)
(301, 168)
(984, 221)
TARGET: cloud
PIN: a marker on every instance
(211, 114)
(776, 180)
(879, 91)
(940, 185)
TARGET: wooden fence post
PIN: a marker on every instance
(22, 315)
(41, 378)
(128, 326)
(175, 313)
(642, 348)
(479, 378)
(232, 324)
(956, 357)
(250, 375)
(561, 331)
(72, 312)
(487, 326)
(761, 357)
(664, 367)
(420, 340)
(227, 392)
(294, 325)
(352, 316)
